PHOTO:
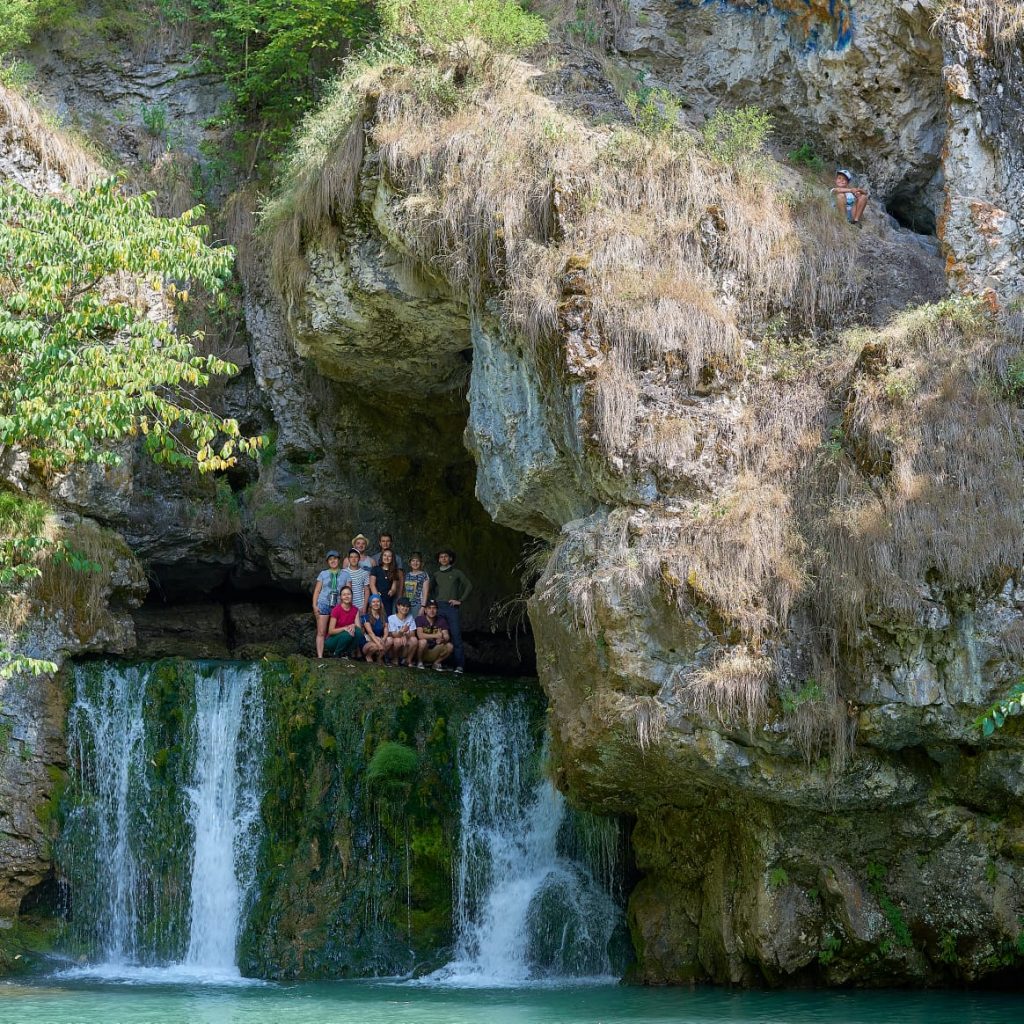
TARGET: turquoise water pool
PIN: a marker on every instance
(61, 1001)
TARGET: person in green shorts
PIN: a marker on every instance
(344, 628)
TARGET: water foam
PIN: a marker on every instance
(126, 902)
(526, 913)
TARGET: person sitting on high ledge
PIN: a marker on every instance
(849, 198)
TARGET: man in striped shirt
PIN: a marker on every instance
(358, 578)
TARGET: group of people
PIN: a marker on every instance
(374, 607)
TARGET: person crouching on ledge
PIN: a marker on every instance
(433, 630)
(405, 645)
(375, 631)
(344, 630)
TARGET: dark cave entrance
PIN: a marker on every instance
(909, 209)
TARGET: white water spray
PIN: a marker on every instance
(106, 737)
(525, 912)
(225, 815)
(130, 918)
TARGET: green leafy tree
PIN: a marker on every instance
(273, 53)
(87, 358)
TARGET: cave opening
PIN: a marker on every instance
(908, 207)
(251, 594)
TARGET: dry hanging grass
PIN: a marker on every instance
(742, 555)
(484, 180)
(735, 688)
(930, 481)
(56, 150)
(75, 578)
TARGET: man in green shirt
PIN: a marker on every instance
(451, 587)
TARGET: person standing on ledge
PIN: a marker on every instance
(325, 597)
(849, 199)
(358, 578)
(360, 542)
(451, 587)
(385, 544)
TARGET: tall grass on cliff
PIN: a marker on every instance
(481, 177)
(876, 476)
(57, 150)
(924, 476)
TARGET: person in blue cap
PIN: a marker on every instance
(849, 198)
(325, 597)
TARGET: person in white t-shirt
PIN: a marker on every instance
(403, 640)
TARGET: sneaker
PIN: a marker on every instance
(419, 664)
(438, 667)
(458, 670)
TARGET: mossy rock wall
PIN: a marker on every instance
(360, 818)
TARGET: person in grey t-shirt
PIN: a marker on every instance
(325, 597)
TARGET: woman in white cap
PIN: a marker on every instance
(325, 597)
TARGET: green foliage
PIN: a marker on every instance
(88, 366)
(21, 541)
(273, 53)
(502, 24)
(1010, 705)
(16, 74)
(835, 445)
(392, 763)
(18, 21)
(21, 526)
(947, 947)
(737, 137)
(809, 693)
(82, 365)
(897, 922)
(655, 111)
(154, 119)
(777, 877)
(23, 18)
(1013, 378)
(805, 155)
(830, 949)
(876, 876)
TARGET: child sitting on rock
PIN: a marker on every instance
(849, 199)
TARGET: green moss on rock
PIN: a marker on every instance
(356, 866)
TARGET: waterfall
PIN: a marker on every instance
(160, 849)
(525, 910)
(225, 815)
(106, 740)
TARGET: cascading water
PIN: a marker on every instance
(107, 744)
(225, 816)
(159, 851)
(525, 911)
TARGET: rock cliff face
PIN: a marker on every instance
(780, 526)
(921, 99)
(765, 626)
